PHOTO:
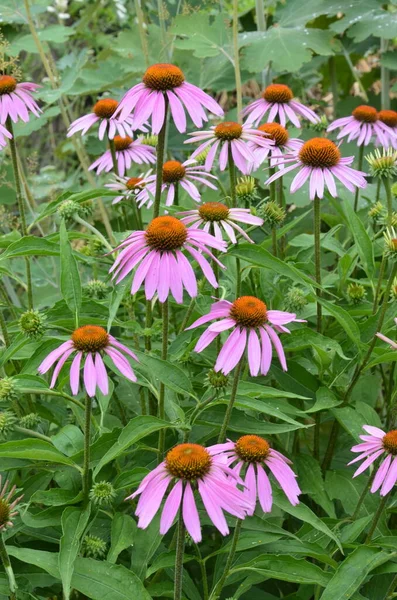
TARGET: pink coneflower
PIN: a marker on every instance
(103, 111)
(4, 133)
(7, 505)
(90, 342)
(128, 151)
(252, 453)
(277, 98)
(387, 120)
(373, 446)
(185, 174)
(215, 216)
(127, 187)
(161, 251)
(225, 136)
(16, 100)
(282, 145)
(361, 126)
(320, 159)
(189, 467)
(391, 343)
(161, 81)
(247, 316)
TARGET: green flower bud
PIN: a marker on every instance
(102, 493)
(295, 300)
(273, 214)
(393, 290)
(85, 208)
(96, 289)
(93, 547)
(356, 292)
(321, 126)
(30, 421)
(390, 237)
(216, 380)
(150, 140)
(8, 390)
(246, 190)
(67, 209)
(382, 164)
(7, 422)
(31, 323)
(200, 158)
(376, 211)
(93, 248)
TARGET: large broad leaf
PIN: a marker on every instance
(287, 48)
(135, 430)
(214, 415)
(74, 522)
(55, 34)
(363, 23)
(35, 450)
(203, 36)
(286, 568)
(364, 245)
(31, 246)
(344, 319)
(78, 197)
(259, 406)
(165, 371)
(122, 535)
(353, 571)
(70, 278)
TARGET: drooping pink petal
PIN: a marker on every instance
(190, 514)
(89, 375)
(171, 507)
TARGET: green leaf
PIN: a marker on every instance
(74, 523)
(55, 34)
(286, 568)
(344, 319)
(135, 430)
(353, 571)
(70, 278)
(204, 35)
(259, 406)
(311, 482)
(255, 390)
(168, 373)
(78, 197)
(56, 497)
(36, 450)
(214, 415)
(353, 419)
(325, 399)
(30, 246)
(364, 245)
(122, 535)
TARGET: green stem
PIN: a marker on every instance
(334, 82)
(142, 31)
(355, 73)
(274, 240)
(379, 283)
(21, 207)
(219, 586)
(317, 258)
(378, 189)
(391, 588)
(32, 433)
(363, 495)
(180, 548)
(260, 15)
(389, 198)
(176, 197)
(113, 153)
(164, 353)
(376, 518)
(94, 230)
(233, 394)
(360, 166)
(5, 559)
(281, 203)
(87, 441)
(233, 196)
(316, 435)
(385, 78)
(236, 61)
(160, 160)
(4, 330)
(188, 314)
(203, 570)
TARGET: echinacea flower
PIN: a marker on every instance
(387, 120)
(277, 99)
(89, 343)
(7, 505)
(190, 467)
(175, 173)
(161, 251)
(250, 454)
(282, 144)
(321, 160)
(127, 187)
(4, 133)
(392, 343)
(128, 151)
(215, 216)
(229, 136)
(103, 111)
(361, 126)
(165, 83)
(374, 445)
(16, 100)
(247, 316)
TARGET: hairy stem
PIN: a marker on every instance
(94, 230)
(359, 167)
(236, 56)
(164, 353)
(87, 443)
(379, 283)
(317, 258)
(334, 83)
(229, 410)
(389, 198)
(160, 160)
(180, 548)
(384, 78)
(219, 586)
(233, 196)
(5, 559)
(363, 495)
(375, 520)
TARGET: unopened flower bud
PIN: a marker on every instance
(216, 380)
(8, 503)
(93, 248)
(102, 493)
(8, 421)
(390, 237)
(96, 289)
(200, 158)
(356, 292)
(93, 547)
(295, 300)
(246, 190)
(30, 421)
(321, 125)
(382, 164)
(273, 214)
(67, 209)
(8, 391)
(376, 211)
(31, 323)
(150, 140)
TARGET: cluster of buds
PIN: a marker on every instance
(93, 547)
(8, 390)
(273, 214)
(32, 324)
(246, 190)
(96, 289)
(295, 300)
(356, 292)
(102, 493)
(382, 164)
(68, 208)
(8, 421)
(200, 158)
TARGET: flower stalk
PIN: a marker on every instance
(376, 518)
(230, 557)
(229, 410)
(389, 198)
(87, 441)
(164, 354)
(5, 559)
(317, 258)
(160, 160)
(180, 548)
(233, 196)
(359, 168)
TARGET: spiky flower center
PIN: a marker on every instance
(319, 152)
(388, 117)
(252, 448)
(163, 76)
(276, 132)
(213, 211)
(166, 233)
(7, 84)
(367, 114)
(90, 338)
(134, 183)
(278, 92)
(390, 442)
(188, 461)
(122, 143)
(173, 171)
(5, 513)
(229, 130)
(249, 311)
(105, 108)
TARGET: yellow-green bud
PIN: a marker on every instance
(93, 547)
(356, 292)
(7, 422)
(96, 289)
(273, 214)
(31, 323)
(30, 421)
(216, 380)
(8, 391)
(376, 211)
(102, 493)
(246, 190)
(295, 300)
(382, 164)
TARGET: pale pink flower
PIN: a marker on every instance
(89, 343)
(392, 343)
(362, 125)
(214, 217)
(374, 445)
(229, 136)
(128, 151)
(16, 100)
(387, 120)
(277, 99)
(190, 467)
(103, 113)
(163, 83)
(321, 160)
(4, 133)
(247, 316)
(128, 187)
(7, 505)
(161, 251)
(187, 174)
(282, 145)
(250, 454)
